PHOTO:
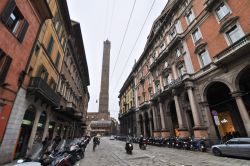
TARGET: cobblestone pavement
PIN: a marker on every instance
(112, 153)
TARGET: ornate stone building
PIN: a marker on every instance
(193, 77)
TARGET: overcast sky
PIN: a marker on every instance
(107, 19)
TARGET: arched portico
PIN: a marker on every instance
(222, 103)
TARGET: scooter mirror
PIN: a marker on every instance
(20, 161)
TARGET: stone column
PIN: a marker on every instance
(175, 75)
(154, 118)
(164, 132)
(243, 111)
(182, 130)
(212, 135)
(46, 128)
(55, 131)
(150, 124)
(62, 131)
(162, 116)
(144, 125)
(199, 130)
(33, 132)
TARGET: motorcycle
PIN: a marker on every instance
(129, 147)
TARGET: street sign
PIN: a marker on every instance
(216, 120)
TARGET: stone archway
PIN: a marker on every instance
(243, 84)
(221, 102)
(25, 131)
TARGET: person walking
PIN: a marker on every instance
(95, 142)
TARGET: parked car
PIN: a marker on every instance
(238, 147)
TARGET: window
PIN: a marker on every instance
(222, 10)
(190, 17)
(196, 35)
(172, 33)
(5, 62)
(162, 46)
(50, 46)
(234, 34)
(14, 20)
(178, 52)
(58, 56)
(204, 58)
(181, 70)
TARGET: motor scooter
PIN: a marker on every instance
(129, 147)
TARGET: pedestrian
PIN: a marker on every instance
(95, 142)
(141, 141)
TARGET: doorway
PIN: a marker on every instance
(25, 132)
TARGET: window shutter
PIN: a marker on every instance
(7, 11)
(23, 31)
(5, 69)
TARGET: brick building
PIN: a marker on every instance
(193, 77)
(20, 23)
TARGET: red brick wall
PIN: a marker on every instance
(210, 28)
(19, 53)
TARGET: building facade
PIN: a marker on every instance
(127, 114)
(46, 104)
(20, 23)
(192, 78)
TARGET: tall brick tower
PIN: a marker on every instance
(104, 93)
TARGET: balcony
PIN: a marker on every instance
(233, 52)
(173, 84)
(144, 105)
(70, 106)
(156, 94)
(42, 90)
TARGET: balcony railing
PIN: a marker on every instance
(240, 47)
(157, 93)
(70, 106)
(41, 89)
(173, 84)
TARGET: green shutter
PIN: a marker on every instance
(7, 11)
(23, 31)
(57, 59)
(5, 69)
(50, 46)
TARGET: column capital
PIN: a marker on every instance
(189, 85)
(174, 92)
(160, 100)
(236, 94)
(204, 103)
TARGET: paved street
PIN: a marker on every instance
(112, 153)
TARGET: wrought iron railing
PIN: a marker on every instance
(38, 85)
